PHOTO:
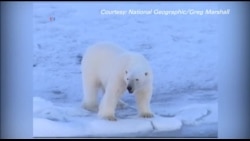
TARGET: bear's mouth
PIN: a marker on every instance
(130, 91)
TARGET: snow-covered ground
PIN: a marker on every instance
(182, 50)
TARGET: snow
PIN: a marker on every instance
(75, 122)
(182, 50)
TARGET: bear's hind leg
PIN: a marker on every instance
(90, 97)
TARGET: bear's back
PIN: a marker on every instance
(102, 57)
(103, 50)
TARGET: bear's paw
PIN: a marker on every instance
(147, 115)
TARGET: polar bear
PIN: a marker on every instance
(114, 70)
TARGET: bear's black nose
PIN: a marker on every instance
(129, 88)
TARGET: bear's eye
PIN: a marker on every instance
(126, 72)
(136, 79)
(127, 79)
(146, 73)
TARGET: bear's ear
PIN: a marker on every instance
(146, 73)
(126, 71)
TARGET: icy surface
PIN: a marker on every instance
(181, 49)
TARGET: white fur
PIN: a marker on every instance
(106, 66)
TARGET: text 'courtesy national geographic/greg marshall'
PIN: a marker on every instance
(166, 12)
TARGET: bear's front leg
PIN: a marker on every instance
(143, 98)
(108, 105)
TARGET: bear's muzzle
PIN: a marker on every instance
(130, 89)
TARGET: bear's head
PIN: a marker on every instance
(136, 79)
